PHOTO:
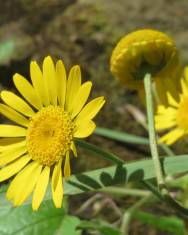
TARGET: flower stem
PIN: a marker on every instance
(154, 152)
(105, 154)
(151, 126)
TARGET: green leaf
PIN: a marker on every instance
(101, 226)
(121, 136)
(127, 138)
(7, 49)
(69, 226)
(129, 172)
(107, 230)
(117, 174)
(47, 220)
(23, 221)
(100, 152)
(181, 182)
(168, 224)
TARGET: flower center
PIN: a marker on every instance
(182, 114)
(49, 136)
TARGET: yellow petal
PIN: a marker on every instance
(57, 185)
(73, 148)
(9, 140)
(61, 82)
(167, 84)
(67, 169)
(165, 118)
(186, 73)
(27, 185)
(161, 109)
(172, 136)
(40, 188)
(18, 181)
(12, 145)
(13, 115)
(184, 87)
(152, 54)
(12, 131)
(171, 100)
(161, 91)
(50, 79)
(160, 125)
(90, 110)
(13, 168)
(81, 98)
(12, 154)
(39, 84)
(73, 85)
(17, 103)
(85, 129)
(172, 86)
(27, 91)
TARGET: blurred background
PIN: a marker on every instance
(84, 32)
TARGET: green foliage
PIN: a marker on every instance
(23, 221)
(101, 226)
(170, 224)
(129, 172)
(120, 136)
(181, 182)
(7, 49)
(69, 226)
(47, 220)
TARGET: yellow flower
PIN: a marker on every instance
(146, 51)
(175, 116)
(45, 132)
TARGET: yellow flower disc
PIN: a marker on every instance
(144, 51)
(50, 134)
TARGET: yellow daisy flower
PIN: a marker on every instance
(175, 116)
(146, 51)
(50, 115)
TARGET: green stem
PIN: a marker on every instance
(128, 138)
(113, 158)
(167, 150)
(152, 189)
(128, 214)
(154, 152)
(151, 126)
(125, 191)
(109, 156)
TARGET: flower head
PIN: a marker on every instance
(51, 114)
(174, 117)
(146, 51)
